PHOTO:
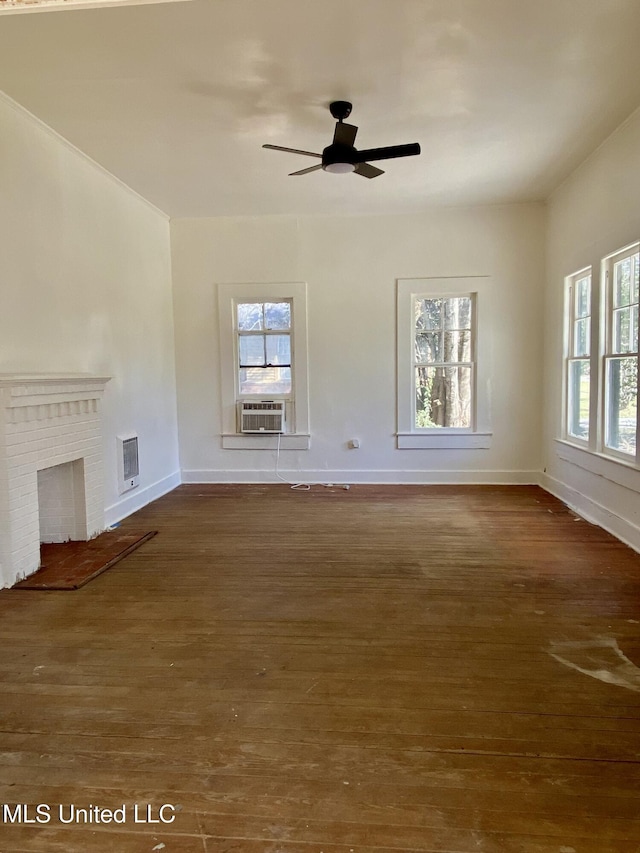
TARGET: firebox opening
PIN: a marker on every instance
(61, 502)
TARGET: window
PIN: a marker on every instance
(443, 368)
(601, 357)
(264, 348)
(443, 371)
(263, 356)
(620, 359)
(578, 367)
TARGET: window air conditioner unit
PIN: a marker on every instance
(263, 416)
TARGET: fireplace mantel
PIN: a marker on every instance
(24, 389)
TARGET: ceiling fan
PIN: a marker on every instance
(341, 156)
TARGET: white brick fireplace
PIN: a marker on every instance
(51, 480)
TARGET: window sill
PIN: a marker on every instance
(255, 441)
(444, 441)
(610, 467)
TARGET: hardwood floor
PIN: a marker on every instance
(447, 669)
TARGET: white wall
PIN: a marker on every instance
(595, 212)
(351, 265)
(85, 278)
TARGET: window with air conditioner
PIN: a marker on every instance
(263, 356)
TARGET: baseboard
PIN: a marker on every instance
(592, 511)
(380, 477)
(137, 498)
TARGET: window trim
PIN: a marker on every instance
(410, 437)
(297, 414)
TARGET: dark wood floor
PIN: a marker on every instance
(446, 669)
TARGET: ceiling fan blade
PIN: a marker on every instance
(292, 150)
(388, 153)
(368, 171)
(345, 134)
(306, 171)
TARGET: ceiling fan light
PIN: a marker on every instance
(339, 168)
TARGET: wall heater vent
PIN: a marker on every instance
(128, 462)
(265, 416)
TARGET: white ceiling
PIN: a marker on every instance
(506, 97)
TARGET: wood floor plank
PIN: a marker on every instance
(437, 669)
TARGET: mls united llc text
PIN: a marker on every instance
(23, 813)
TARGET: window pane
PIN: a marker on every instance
(277, 315)
(278, 349)
(457, 313)
(636, 278)
(622, 282)
(249, 316)
(457, 346)
(578, 319)
(621, 330)
(265, 380)
(578, 420)
(443, 397)
(428, 347)
(428, 314)
(251, 349)
(583, 297)
(581, 335)
(621, 405)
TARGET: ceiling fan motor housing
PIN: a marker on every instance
(338, 153)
